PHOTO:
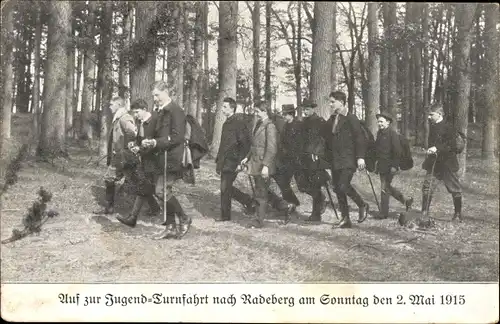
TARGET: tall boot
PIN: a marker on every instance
(426, 203)
(457, 203)
(109, 197)
(384, 205)
(345, 222)
(131, 219)
(258, 220)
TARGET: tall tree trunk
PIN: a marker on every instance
(70, 81)
(188, 62)
(464, 21)
(475, 114)
(491, 84)
(298, 66)
(392, 91)
(142, 66)
(256, 49)
(333, 79)
(228, 22)
(321, 65)
(407, 79)
(180, 53)
(267, 91)
(206, 71)
(372, 105)
(173, 64)
(107, 75)
(35, 105)
(76, 97)
(197, 85)
(52, 137)
(88, 75)
(7, 79)
(423, 139)
(384, 59)
(125, 47)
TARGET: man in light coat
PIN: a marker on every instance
(119, 159)
(261, 160)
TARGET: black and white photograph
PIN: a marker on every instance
(250, 142)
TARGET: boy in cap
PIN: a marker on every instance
(388, 151)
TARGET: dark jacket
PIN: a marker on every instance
(289, 147)
(347, 144)
(149, 156)
(263, 148)
(388, 150)
(169, 136)
(197, 141)
(235, 142)
(313, 143)
(442, 136)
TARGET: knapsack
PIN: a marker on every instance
(460, 141)
(405, 160)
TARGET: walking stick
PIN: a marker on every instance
(373, 189)
(331, 200)
(165, 186)
(430, 186)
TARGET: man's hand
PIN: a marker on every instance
(361, 164)
(217, 171)
(432, 150)
(244, 161)
(135, 149)
(130, 145)
(265, 171)
(314, 157)
(147, 143)
(394, 170)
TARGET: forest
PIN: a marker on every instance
(63, 61)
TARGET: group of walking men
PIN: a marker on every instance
(148, 147)
(267, 146)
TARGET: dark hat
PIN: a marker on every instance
(287, 109)
(309, 103)
(386, 115)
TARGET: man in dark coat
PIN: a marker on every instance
(388, 152)
(288, 148)
(312, 175)
(442, 152)
(345, 149)
(168, 137)
(146, 172)
(234, 146)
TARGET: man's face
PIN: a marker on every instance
(336, 105)
(288, 118)
(160, 97)
(434, 117)
(114, 106)
(227, 110)
(139, 114)
(382, 123)
(261, 113)
(308, 111)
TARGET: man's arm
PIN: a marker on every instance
(128, 127)
(359, 138)
(272, 147)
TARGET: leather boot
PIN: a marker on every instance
(384, 206)
(345, 222)
(457, 203)
(318, 201)
(426, 203)
(154, 206)
(109, 197)
(184, 224)
(258, 221)
(131, 219)
(363, 212)
(170, 231)
(408, 203)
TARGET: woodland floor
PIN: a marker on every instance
(78, 246)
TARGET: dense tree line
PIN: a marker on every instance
(63, 61)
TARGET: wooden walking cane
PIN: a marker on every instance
(373, 190)
(165, 187)
(331, 200)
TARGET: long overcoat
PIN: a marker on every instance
(263, 148)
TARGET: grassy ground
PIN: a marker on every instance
(78, 246)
